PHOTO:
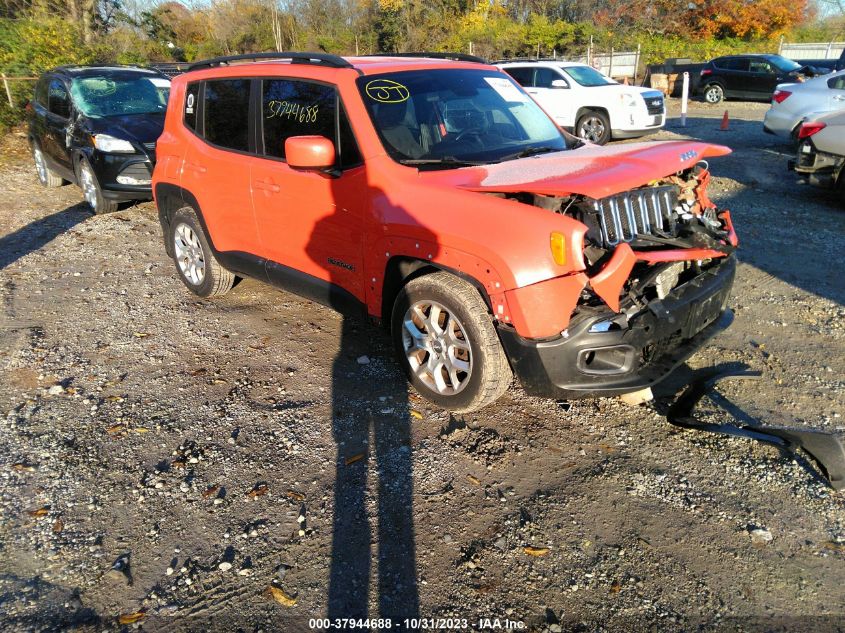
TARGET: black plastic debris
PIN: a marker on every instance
(827, 449)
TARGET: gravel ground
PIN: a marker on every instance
(174, 464)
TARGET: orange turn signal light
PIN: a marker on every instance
(558, 245)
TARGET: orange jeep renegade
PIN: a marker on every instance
(432, 194)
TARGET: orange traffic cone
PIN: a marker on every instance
(725, 121)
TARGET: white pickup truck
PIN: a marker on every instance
(587, 103)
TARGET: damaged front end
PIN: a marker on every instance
(659, 268)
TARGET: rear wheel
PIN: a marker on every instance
(195, 262)
(714, 93)
(593, 126)
(446, 343)
(92, 191)
(46, 176)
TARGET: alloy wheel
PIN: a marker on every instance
(89, 186)
(592, 129)
(40, 165)
(189, 254)
(436, 347)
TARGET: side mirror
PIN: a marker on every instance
(559, 83)
(309, 152)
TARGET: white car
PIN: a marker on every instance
(793, 103)
(587, 103)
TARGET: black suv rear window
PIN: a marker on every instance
(227, 113)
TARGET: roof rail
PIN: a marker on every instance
(325, 59)
(528, 59)
(458, 57)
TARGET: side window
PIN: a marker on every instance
(192, 104)
(41, 92)
(836, 83)
(543, 77)
(295, 108)
(226, 113)
(59, 101)
(737, 63)
(522, 75)
(759, 66)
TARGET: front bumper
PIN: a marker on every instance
(642, 124)
(635, 354)
(109, 167)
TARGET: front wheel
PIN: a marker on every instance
(444, 338)
(714, 93)
(92, 191)
(593, 126)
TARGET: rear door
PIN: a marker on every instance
(216, 166)
(836, 90)
(310, 223)
(735, 76)
(57, 132)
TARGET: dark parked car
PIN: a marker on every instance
(749, 77)
(97, 127)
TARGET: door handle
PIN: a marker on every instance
(196, 167)
(266, 185)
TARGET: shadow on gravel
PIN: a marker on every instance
(60, 606)
(35, 235)
(371, 419)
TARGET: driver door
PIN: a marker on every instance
(310, 223)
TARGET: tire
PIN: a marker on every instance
(46, 176)
(91, 190)
(465, 336)
(593, 126)
(714, 93)
(198, 269)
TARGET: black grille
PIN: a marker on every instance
(654, 103)
(622, 217)
(150, 146)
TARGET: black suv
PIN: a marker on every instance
(97, 127)
(749, 77)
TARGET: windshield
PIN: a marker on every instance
(783, 64)
(587, 76)
(117, 95)
(450, 118)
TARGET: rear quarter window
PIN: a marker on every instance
(836, 83)
(41, 92)
(192, 104)
(523, 76)
(226, 113)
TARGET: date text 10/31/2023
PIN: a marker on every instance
(415, 624)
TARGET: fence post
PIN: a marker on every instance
(610, 70)
(684, 100)
(827, 53)
(590, 52)
(8, 92)
(637, 64)
(780, 45)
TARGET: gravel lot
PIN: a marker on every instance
(248, 469)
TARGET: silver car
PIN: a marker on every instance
(793, 103)
(821, 151)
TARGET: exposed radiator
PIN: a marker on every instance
(622, 217)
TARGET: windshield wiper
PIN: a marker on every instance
(530, 151)
(446, 161)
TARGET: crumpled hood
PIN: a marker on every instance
(592, 171)
(140, 128)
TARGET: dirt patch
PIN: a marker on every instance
(219, 448)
